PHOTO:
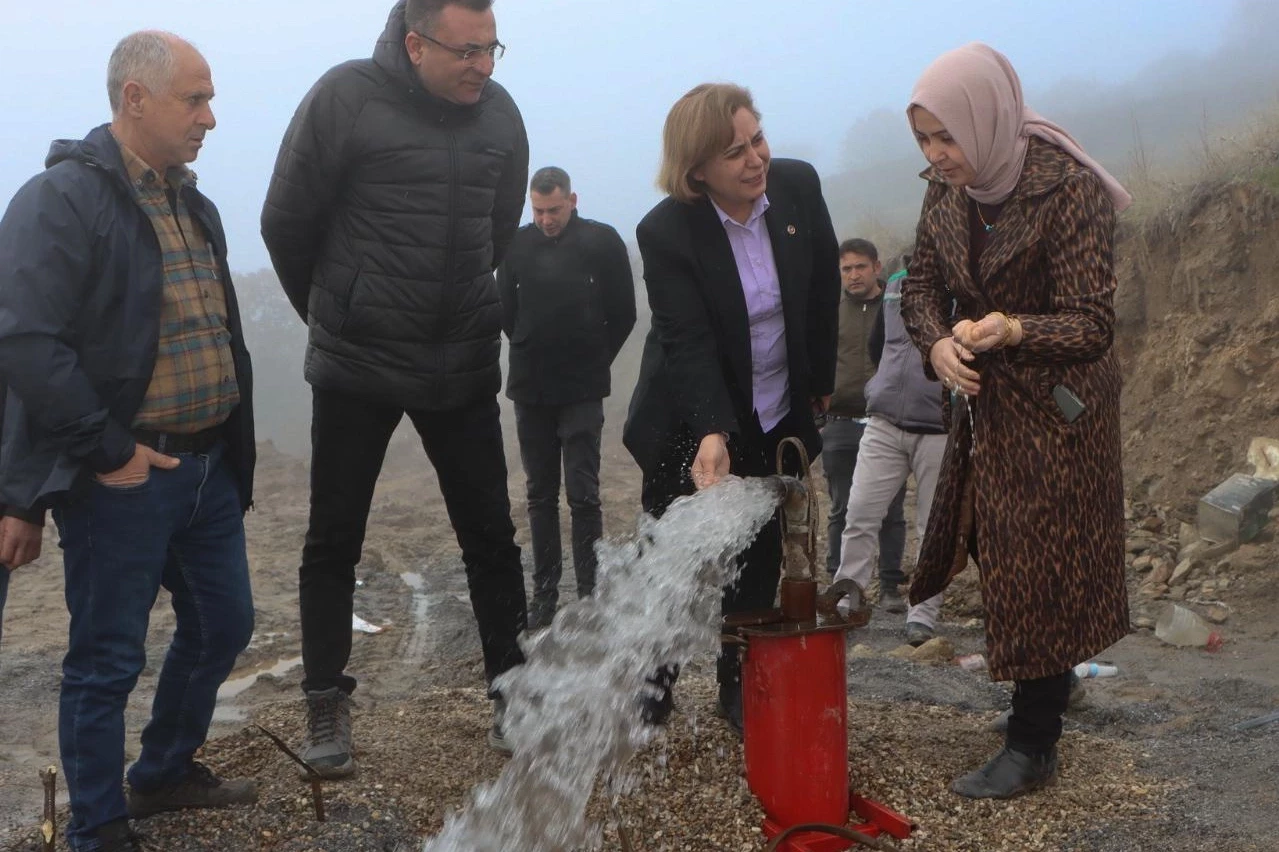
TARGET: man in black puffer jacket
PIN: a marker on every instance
(398, 187)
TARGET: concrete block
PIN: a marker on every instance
(1237, 509)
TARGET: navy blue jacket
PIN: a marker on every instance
(81, 280)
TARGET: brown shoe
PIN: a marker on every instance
(200, 788)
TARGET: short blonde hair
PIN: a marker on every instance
(698, 127)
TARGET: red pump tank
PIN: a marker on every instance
(795, 714)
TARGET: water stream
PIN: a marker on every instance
(572, 714)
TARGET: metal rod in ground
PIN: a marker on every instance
(317, 794)
(1257, 722)
(49, 828)
(317, 799)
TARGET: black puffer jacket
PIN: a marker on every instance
(387, 213)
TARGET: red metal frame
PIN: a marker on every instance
(879, 820)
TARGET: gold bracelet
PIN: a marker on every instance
(1008, 328)
(1014, 324)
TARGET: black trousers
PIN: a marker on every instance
(753, 453)
(568, 437)
(349, 437)
(1038, 705)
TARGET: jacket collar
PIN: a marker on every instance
(1045, 168)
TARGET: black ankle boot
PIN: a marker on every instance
(655, 709)
(1009, 773)
(729, 706)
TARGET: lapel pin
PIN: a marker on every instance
(790, 229)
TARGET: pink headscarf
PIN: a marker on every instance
(976, 95)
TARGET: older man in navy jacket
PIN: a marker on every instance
(129, 411)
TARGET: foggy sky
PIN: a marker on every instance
(594, 80)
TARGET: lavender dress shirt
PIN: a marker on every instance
(753, 251)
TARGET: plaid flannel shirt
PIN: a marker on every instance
(193, 386)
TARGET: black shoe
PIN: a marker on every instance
(199, 788)
(891, 600)
(656, 709)
(117, 836)
(917, 633)
(540, 615)
(1008, 774)
(729, 706)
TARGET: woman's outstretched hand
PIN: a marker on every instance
(711, 463)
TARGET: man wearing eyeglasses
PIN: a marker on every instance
(398, 187)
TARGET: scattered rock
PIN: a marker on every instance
(1184, 570)
(1161, 573)
(1143, 622)
(938, 650)
(1143, 563)
(1187, 534)
(1217, 614)
(902, 652)
(861, 652)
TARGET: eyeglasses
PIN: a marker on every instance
(495, 50)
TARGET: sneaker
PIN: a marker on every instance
(199, 788)
(118, 836)
(497, 734)
(327, 748)
(891, 600)
(917, 633)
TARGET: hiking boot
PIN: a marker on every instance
(917, 633)
(1009, 773)
(199, 788)
(327, 748)
(117, 836)
(891, 600)
(497, 731)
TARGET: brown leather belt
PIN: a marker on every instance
(176, 442)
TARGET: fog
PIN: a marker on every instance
(594, 80)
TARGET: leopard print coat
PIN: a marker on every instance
(1038, 500)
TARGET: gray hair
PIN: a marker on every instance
(144, 57)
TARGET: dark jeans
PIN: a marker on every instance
(1038, 705)
(840, 441)
(349, 437)
(752, 454)
(182, 529)
(551, 436)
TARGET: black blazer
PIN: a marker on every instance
(696, 367)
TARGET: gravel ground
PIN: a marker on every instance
(420, 759)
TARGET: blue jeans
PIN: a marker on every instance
(182, 529)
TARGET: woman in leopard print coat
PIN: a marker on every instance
(1010, 299)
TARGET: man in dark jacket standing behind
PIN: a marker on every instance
(398, 187)
(568, 305)
(129, 409)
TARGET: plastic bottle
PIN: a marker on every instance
(1084, 670)
(1181, 627)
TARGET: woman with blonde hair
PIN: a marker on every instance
(1010, 298)
(742, 270)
